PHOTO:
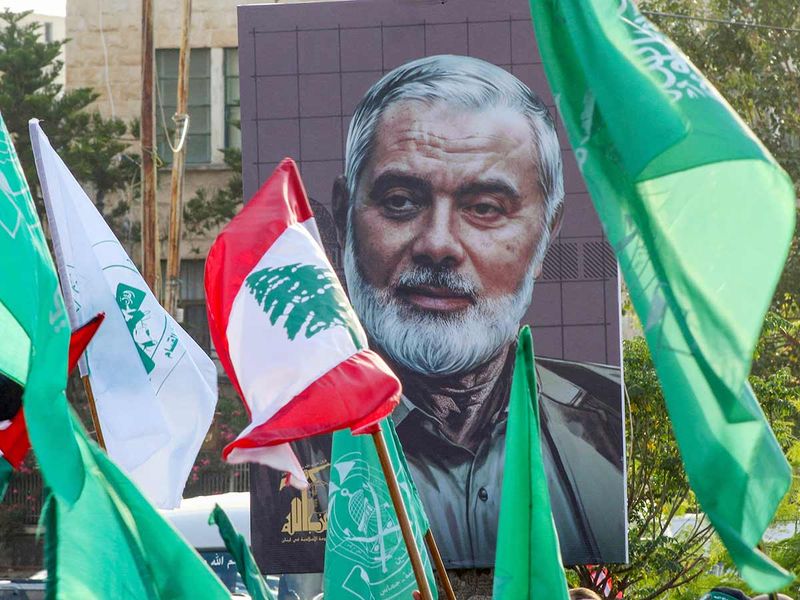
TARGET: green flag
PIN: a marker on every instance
(34, 329)
(365, 556)
(245, 563)
(112, 543)
(701, 218)
(5, 476)
(103, 539)
(527, 560)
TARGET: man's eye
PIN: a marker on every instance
(485, 210)
(399, 204)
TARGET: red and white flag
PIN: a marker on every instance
(285, 331)
(14, 443)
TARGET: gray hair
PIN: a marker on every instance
(468, 82)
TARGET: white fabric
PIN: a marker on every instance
(280, 457)
(153, 422)
(271, 368)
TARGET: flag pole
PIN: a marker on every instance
(181, 118)
(93, 409)
(430, 542)
(402, 514)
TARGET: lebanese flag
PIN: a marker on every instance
(285, 332)
(14, 443)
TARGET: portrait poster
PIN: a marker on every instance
(446, 195)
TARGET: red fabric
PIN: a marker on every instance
(14, 443)
(280, 202)
(356, 393)
(343, 397)
(80, 338)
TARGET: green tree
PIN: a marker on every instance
(668, 561)
(208, 209)
(92, 147)
(661, 558)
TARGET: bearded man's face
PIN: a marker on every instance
(444, 234)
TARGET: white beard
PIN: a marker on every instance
(428, 342)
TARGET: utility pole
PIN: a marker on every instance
(147, 133)
(181, 119)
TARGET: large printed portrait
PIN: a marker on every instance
(454, 213)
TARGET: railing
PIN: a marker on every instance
(233, 478)
(25, 490)
(25, 494)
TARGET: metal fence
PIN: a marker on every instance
(25, 491)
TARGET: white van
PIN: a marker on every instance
(191, 520)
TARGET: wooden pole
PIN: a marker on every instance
(402, 515)
(147, 134)
(87, 386)
(172, 288)
(430, 542)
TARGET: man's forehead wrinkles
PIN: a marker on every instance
(425, 140)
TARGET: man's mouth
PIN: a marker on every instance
(432, 298)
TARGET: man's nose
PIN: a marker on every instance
(438, 242)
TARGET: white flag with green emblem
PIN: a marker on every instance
(155, 389)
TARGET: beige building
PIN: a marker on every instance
(104, 53)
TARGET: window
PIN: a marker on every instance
(233, 135)
(48, 32)
(198, 140)
(192, 299)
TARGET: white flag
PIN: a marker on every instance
(155, 389)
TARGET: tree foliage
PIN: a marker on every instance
(756, 69)
(209, 209)
(92, 146)
(661, 558)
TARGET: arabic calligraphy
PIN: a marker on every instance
(304, 515)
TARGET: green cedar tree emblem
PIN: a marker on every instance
(309, 296)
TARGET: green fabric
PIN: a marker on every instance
(528, 559)
(34, 320)
(6, 470)
(112, 543)
(365, 556)
(103, 539)
(14, 358)
(245, 563)
(701, 218)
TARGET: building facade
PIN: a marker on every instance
(103, 52)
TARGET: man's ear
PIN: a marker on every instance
(340, 201)
(555, 228)
(555, 224)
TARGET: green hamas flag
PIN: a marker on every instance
(112, 543)
(103, 540)
(365, 556)
(34, 329)
(245, 563)
(700, 217)
(527, 560)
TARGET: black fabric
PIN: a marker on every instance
(10, 398)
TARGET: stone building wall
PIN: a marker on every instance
(104, 53)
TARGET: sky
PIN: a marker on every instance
(44, 7)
